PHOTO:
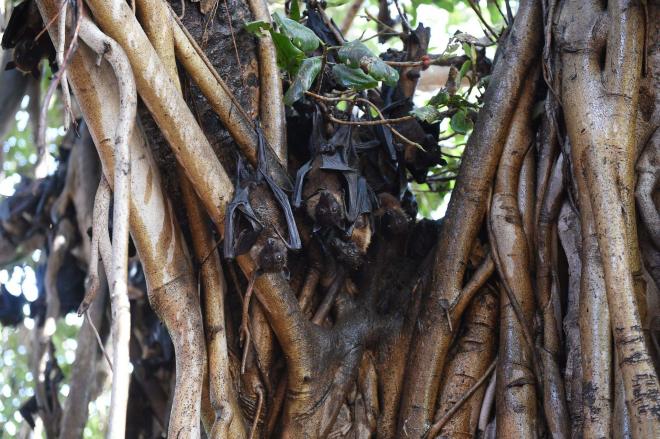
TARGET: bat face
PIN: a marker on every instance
(27, 57)
(392, 219)
(394, 222)
(272, 257)
(329, 211)
(346, 252)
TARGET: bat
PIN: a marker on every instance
(24, 25)
(242, 227)
(254, 222)
(330, 173)
(335, 196)
(391, 218)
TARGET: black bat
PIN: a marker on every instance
(293, 242)
(242, 227)
(21, 33)
(249, 219)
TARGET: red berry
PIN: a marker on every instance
(426, 62)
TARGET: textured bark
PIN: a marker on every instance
(464, 216)
(554, 399)
(474, 350)
(516, 374)
(603, 149)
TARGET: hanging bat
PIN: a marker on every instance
(390, 216)
(330, 176)
(21, 33)
(254, 222)
(334, 194)
(242, 227)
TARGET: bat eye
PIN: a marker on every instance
(333, 209)
(270, 241)
(278, 257)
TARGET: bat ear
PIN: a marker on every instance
(35, 72)
(10, 65)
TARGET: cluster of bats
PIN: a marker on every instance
(351, 180)
(341, 197)
(354, 182)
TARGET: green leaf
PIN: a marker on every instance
(467, 65)
(356, 54)
(307, 72)
(457, 101)
(294, 12)
(303, 38)
(440, 99)
(257, 27)
(353, 78)
(335, 3)
(342, 105)
(427, 114)
(289, 56)
(460, 122)
(447, 5)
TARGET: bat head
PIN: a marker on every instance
(27, 56)
(394, 222)
(329, 210)
(273, 257)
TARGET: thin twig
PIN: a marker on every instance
(41, 135)
(88, 318)
(260, 402)
(477, 11)
(487, 403)
(435, 429)
(371, 122)
(233, 40)
(497, 5)
(245, 320)
(50, 22)
(183, 10)
(508, 11)
(350, 15)
(385, 25)
(61, 37)
(380, 114)
(404, 20)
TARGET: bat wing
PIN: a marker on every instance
(352, 179)
(281, 197)
(242, 227)
(300, 181)
(17, 24)
(279, 193)
(361, 199)
(335, 162)
(384, 134)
